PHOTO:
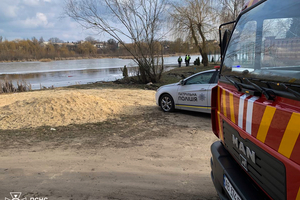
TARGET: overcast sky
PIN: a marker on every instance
(24, 19)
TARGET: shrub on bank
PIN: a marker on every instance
(7, 86)
(45, 60)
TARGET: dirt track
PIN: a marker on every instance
(146, 155)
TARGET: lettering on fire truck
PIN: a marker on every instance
(244, 149)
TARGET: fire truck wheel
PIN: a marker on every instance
(166, 103)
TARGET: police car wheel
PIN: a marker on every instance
(166, 103)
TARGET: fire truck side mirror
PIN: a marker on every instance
(225, 40)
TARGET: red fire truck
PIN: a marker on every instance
(256, 104)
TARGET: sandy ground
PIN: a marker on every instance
(118, 145)
(64, 107)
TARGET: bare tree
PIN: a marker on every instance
(41, 40)
(112, 45)
(140, 21)
(34, 40)
(230, 9)
(196, 20)
(90, 39)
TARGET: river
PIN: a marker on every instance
(71, 72)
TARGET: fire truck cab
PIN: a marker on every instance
(256, 105)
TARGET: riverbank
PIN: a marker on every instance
(56, 59)
(80, 104)
(172, 76)
(104, 140)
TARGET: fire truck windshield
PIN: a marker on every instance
(265, 44)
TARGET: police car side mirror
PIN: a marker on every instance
(182, 82)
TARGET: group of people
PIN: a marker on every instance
(186, 60)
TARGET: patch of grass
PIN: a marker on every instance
(168, 77)
(45, 60)
(22, 86)
(112, 85)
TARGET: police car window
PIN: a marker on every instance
(200, 79)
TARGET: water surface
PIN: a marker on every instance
(71, 72)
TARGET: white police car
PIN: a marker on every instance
(192, 93)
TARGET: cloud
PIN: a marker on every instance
(31, 2)
(8, 10)
(34, 2)
(40, 20)
(21, 19)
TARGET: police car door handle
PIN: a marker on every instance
(203, 89)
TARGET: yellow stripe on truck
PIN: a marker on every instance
(231, 107)
(298, 195)
(265, 123)
(290, 136)
(220, 127)
(219, 98)
(224, 103)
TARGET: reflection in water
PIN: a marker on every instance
(70, 72)
(65, 78)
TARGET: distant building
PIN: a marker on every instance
(100, 45)
(71, 46)
(43, 44)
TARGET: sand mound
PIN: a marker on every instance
(63, 107)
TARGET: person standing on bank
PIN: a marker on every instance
(186, 60)
(179, 61)
(189, 58)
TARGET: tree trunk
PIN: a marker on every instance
(205, 59)
(204, 56)
(203, 49)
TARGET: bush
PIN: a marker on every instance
(125, 72)
(8, 87)
(197, 61)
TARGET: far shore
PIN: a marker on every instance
(80, 58)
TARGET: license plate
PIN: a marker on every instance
(230, 190)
